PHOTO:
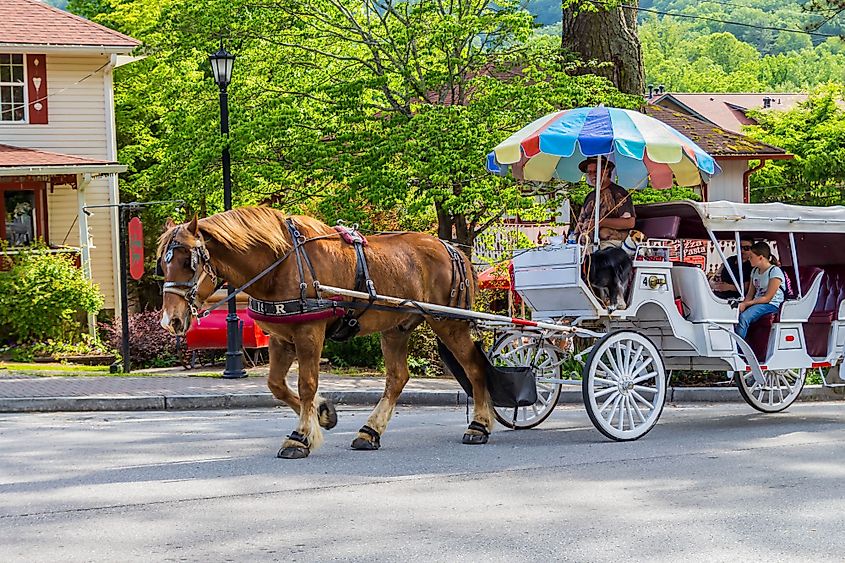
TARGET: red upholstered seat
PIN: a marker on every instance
(831, 295)
(758, 333)
(659, 227)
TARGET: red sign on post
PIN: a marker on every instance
(136, 248)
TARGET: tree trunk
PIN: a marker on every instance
(454, 228)
(607, 36)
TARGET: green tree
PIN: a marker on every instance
(382, 114)
(814, 131)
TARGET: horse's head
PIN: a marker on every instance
(188, 275)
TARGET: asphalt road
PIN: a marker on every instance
(709, 483)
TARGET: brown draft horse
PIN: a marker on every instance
(237, 245)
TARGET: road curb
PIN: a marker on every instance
(79, 404)
(367, 398)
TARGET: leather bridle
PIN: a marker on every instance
(200, 265)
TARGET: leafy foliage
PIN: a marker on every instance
(43, 295)
(757, 14)
(685, 60)
(150, 345)
(57, 350)
(814, 132)
(361, 351)
(380, 114)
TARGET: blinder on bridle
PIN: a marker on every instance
(200, 265)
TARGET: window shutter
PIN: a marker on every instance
(36, 76)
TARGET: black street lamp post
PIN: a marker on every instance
(221, 65)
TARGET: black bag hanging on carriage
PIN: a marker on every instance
(509, 387)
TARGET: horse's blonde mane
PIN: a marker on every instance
(242, 228)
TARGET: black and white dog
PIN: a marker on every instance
(610, 271)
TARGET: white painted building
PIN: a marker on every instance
(58, 150)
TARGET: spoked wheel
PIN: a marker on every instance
(624, 385)
(780, 389)
(515, 349)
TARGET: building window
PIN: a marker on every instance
(12, 88)
(25, 214)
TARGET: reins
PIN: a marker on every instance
(297, 245)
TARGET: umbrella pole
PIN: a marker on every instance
(597, 203)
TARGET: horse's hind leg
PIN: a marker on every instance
(394, 346)
(308, 342)
(456, 336)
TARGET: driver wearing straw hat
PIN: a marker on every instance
(616, 210)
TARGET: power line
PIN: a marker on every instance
(717, 20)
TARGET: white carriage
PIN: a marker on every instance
(673, 320)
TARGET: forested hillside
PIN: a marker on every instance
(705, 53)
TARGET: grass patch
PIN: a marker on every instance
(57, 367)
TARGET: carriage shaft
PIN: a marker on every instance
(431, 308)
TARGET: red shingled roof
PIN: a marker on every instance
(713, 139)
(30, 22)
(726, 110)
(15, 156)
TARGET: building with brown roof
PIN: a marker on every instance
(58, 150)
(732, 151)
(728, 111)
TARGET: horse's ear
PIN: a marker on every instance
(193, 227)
(169, 224)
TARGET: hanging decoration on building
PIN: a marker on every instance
(36, 72)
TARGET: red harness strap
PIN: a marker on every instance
(298, 318)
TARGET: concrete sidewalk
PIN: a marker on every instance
(165, 389)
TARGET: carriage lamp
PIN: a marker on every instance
(221, 65)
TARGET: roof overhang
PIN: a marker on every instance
(754, 157)
(96, 169)
(67, 49)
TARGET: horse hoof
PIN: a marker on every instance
(363, 444)
(327, 415)
(293, 452)
(475, 439)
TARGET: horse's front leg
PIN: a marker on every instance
(394, 347)
(282, 355)
(457, 338)
(308, 343)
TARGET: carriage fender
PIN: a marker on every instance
(680, 326)
(750, 358)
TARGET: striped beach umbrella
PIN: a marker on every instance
(642, 148)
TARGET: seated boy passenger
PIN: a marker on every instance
(766, 292)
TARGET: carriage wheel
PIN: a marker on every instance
(624, 385)
(515, 349)
(780, 389)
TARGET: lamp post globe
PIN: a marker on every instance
(221, 65)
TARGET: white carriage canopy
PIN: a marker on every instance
(819, 232)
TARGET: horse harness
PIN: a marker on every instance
(201, 267)
(307, 309)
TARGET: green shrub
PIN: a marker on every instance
(423, 358)
(361, 351)
(42, 296)
(49, 348)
